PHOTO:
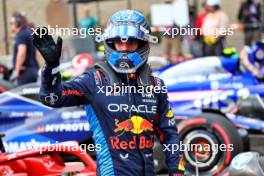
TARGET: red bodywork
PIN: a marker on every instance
(44, 161)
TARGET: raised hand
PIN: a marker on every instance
(50, 51)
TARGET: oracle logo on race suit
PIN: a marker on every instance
(132, 108)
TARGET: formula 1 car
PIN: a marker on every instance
(46, 160)
(27, 123)
(215, 104)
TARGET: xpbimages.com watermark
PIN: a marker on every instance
(214, 148)
(61, 31)
(83, 33)
(83, 148)
(117, 90)
(71, 147)
(165, 31)
(42, 147)
(190, 31)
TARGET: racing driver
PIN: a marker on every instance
(123, 122)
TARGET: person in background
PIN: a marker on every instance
(250, 16)
(253, 59)
(200, 20)
(25, 66)
(172, 43)
(88, 21)
(195, 46)
(201, 16)
(213, 23)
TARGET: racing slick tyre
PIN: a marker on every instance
(211, 141)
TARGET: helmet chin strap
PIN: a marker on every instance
(110, 74)
(143, 74)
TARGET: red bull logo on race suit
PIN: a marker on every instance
(135, 125)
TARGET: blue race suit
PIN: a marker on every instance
(123, 124)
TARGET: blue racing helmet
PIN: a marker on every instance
(127, 25)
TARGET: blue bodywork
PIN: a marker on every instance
(27, 123)
(214, 83)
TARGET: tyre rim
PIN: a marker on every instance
(200, 154)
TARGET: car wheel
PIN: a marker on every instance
(212, 142)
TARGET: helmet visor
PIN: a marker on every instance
(125, 32)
